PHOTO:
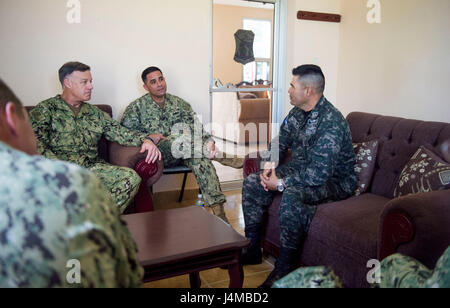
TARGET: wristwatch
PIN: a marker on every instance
(280, 186)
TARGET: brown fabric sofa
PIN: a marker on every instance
(345, 235)
(130, 157)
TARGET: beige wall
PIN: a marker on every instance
(312, 42)
(227, 20)
(119, 39)
(400, 67)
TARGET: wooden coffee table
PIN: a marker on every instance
(186, 241)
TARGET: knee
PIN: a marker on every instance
(251, 181)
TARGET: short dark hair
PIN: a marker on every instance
(8, 96)
(149, 70)
(71, 67)
(312, 75)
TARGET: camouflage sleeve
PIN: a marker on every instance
(40, 121)
(131, 118)
(101, 241)
(322, 159)
(280, 145)
(196, 126)
(115, 132)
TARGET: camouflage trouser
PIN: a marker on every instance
(309, 278)
(398, 271)
(203, 169)
(297, 208)
(123, 183)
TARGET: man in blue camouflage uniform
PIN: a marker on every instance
(321, 170)
(55, 216)
(69, 129)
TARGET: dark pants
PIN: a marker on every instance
(297, 209)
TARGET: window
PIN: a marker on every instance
(262, 49)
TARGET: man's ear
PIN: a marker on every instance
(146, 88)
(67, 83)
(11, 118)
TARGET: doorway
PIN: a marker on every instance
(244, 69)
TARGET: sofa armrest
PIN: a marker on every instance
(416, 226)
(149, 173)
(125, 156)
(252, 164)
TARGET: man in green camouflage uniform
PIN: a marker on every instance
(397, 271)
(321, 170)
(59, 227)
(69, 129)
(180, 136)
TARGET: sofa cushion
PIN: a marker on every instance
(423, 173)
(399, 140)
(343, 235)
(366, 153)
(246, 95)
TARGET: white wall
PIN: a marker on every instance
(313, 42)
(400, 67)
(118, 39)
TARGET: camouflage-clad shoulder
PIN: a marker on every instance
(54, 212)
(132, 116)
(309, 278)
(399, 271)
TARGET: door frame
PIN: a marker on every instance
(279, 63)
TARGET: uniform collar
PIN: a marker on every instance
(167, 102)
(314, 114)
(63, 105)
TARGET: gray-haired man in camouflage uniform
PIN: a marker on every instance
(159, 114)
(69, 129)
(59, 227)
(321, 170)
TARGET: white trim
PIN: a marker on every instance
(279, 65)
(246, 3)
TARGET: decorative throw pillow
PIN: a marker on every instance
(423, 173)
(366, 157)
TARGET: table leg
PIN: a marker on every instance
(236, 273)
(195, 280)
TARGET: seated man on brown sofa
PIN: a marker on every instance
(322, 170)
(69, 129)
(59, 226)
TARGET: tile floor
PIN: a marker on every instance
(254, 275)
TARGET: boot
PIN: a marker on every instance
(284, 265)
(234, 161)
(219, 211)
(252, 254)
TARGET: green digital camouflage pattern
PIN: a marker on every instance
(146, 116)
(309, 278)
(321, 170)
(184, 144)
(52, 212)
(123, 182)
(74, 138)
(398, 271)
